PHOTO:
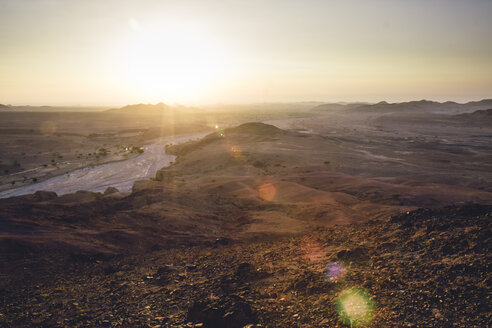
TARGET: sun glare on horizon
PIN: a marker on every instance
(203, 52)
(173, 61)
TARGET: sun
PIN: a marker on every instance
(175, 62)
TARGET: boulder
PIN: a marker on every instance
(42, 195)
(110, 190)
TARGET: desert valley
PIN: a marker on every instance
(245, 164)
(245, 219)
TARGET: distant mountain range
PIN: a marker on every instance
(140, 108)
(422, 106)
(381, 108)
(411, 107)
(150, 108)
(337, 106)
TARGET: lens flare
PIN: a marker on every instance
(267, 191)
(355, 307)
(220, 132)
(335, 271)
(236, 152)
(312, 249)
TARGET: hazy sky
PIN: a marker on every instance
(207, 51)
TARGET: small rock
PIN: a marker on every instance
(222, 241)
(244, 269)
(233, 312)
(190, 267)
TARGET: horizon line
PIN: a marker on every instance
(176, 104)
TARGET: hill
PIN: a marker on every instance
(480, 116)
(425, 267)
(336, 107)
(141, 108)
(253, 225)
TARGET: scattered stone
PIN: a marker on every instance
(417, 274)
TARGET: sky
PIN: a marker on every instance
(67, 52)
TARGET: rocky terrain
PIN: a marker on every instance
(36, 146)
(425, 268)
(251, 226)
(39, 143)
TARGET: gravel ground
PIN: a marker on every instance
(426, 268)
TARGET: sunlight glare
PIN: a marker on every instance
(335, 272)
(176, 62)
(355, 307)
(267, 191)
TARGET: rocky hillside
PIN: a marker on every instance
(427, 268)
(251, 227)
(480, 116)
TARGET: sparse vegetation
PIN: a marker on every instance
(103, 152)
(139, 150)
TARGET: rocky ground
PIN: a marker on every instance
(425, 268)
(252, 226)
